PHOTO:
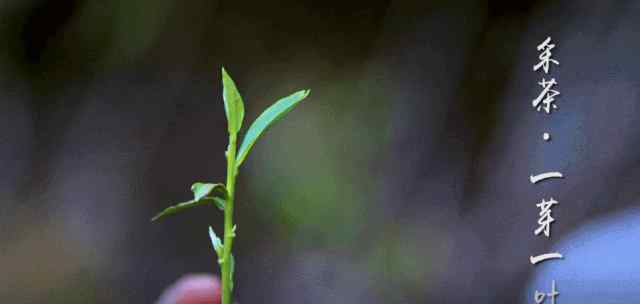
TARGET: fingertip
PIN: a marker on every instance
(193, 289)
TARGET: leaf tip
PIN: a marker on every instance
(303, 94)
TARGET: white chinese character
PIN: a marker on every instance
(545, 57)
(545, 257)
(545, 220)
(546, 98)
(542, 176)
(540, 297)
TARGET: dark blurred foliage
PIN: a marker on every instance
(402, 179)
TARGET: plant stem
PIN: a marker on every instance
(229, 234)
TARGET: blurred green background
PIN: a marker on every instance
(401, 179)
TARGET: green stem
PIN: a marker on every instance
(228, 221)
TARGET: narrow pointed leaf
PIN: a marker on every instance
(180, 207)
(219, 202)
(266, 119)
(233, 105)
(200, 190)
(216, 242)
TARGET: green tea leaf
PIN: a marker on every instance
(180, 207)
(266, 119)
(203, 193)
(216, 242)
(219, 202)
(200, 190)
(233, 105)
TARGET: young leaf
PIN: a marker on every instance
(233, 105)
(216, 242)
(180, 207)
(219, 202)
(266, 119)
(200, 190)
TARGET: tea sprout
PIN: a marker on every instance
(222, 195)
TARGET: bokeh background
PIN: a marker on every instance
(403, 178)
